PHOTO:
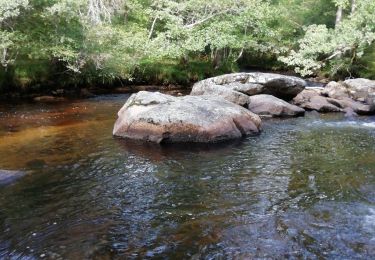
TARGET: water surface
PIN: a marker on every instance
(304, 188)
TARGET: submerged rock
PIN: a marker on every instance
(8, 177)
(267, 105)
(281, 86)
(48, 99)
(160, 118)
(85, 93)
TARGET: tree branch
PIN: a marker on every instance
(192, 25)
(240, 55)
(152, 28)
(339, 52)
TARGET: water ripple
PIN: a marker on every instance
(304, 188)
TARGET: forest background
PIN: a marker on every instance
(79, 43)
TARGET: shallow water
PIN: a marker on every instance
(304, 188)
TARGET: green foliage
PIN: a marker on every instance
(171, 71)
(11, 9)
(79, 42)
(335, 49)
(365, 67)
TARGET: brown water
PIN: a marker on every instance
(304, 188)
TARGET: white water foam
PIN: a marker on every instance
(369, 223)
(354, 124)
(371, 125)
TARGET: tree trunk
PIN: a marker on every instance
(354, 6)
(217, 59)
(184, 60)
(152, 28)
(338, 15)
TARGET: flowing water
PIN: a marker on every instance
(304, 188)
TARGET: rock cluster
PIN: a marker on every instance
(350, 96)
(229, 106)
(281, 86)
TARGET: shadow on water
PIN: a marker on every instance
(159, 152)
(304, 188)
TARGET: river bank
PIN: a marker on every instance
(61, 94)
(56, 93)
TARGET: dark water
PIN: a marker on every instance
(303, 189)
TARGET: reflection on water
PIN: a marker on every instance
(304, 188)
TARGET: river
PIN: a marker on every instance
(304, 188)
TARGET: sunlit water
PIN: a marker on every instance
(304, 188)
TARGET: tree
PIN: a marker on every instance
(338, 48)
(90, 41)
(224, 28)
(9, 10)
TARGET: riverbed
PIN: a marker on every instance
(304, 188)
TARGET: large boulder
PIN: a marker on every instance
(228, 94)
(249, 89)
(226, 79)
(156, 117)
(284, 87)
(361, 90)
(267, 105)
(336, 90)
(310, 99)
